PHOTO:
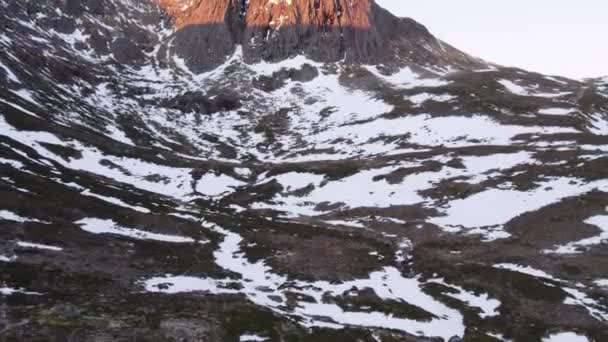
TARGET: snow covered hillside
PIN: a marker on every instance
(426, 197)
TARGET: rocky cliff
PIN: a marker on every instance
(324, 30)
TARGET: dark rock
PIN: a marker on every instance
(99, 43)
(277, 299)
(278, 79)
(66, 310)
(3, 75)
(74, 7)
(200, 103)
(204, 47)
(99, 8)
(127, 52)
(306, 73)
(64, 25)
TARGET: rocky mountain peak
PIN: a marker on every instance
(324, 30)
(272, 13)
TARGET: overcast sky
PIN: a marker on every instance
(560, 37)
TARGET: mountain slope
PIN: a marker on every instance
(289, 170)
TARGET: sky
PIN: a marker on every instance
(558, 37)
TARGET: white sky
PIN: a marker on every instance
(560, 37)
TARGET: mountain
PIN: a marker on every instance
(289, 170)
(323, 30)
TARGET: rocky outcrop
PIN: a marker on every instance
(324, 30)
(205, 33)
(200, 103)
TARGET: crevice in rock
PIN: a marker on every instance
(342, 48)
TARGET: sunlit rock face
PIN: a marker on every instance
(323, 30)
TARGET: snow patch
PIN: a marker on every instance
(514, 88)
(556, 111)
(32, 245)
(566, 337)
(496, 207)
(99, 226)
(217, 185)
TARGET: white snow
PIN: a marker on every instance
(556, 111)
(116, 201)
(217, 185)
(11, 76)
(25, 244)
(419, 99)
(4, 258)
(566, 337)
(514, 88)
(495, 207)
(174, 182)
(14, 163)
(10, 216)
(594, 307)
(346, 223)
(599, 124)
(7, 291)
(119, 135)
(551, 95)
(296, 180)
(499, 337)
(478, 166)
(360, 190)
(99, 226)
(188, 284)
(426, 130)
(387, 283)
(268, 68)
(490, 234)
(26, 95)
(243, 171)
(406, 78)
(526, 270)
(488, 306)
(252, 338)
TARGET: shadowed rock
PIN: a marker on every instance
(357, 31)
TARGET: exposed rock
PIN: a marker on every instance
(323, 30)
(200, 103)
(277, 80)
(127, 52)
